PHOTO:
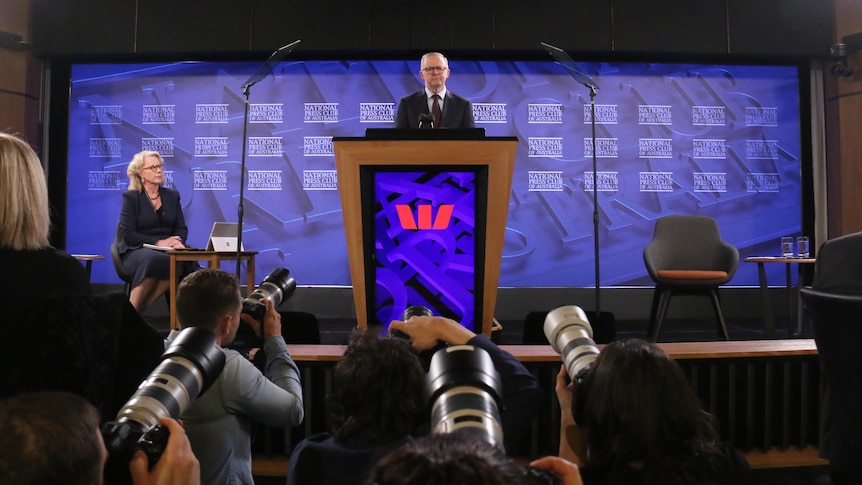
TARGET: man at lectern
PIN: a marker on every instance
(434, 106)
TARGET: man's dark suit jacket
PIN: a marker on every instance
(457, 111)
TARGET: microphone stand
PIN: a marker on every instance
(603, 323)
(263, 71)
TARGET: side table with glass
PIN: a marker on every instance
(790, 256)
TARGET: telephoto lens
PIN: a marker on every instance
(278, 286)
(569, 332)
(464, 392)
(188, 367)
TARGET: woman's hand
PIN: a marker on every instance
(175, 242)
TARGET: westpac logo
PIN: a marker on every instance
(423, 219)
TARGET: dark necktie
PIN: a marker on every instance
(435, 110)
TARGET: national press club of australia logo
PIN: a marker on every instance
(211, 146)
(709, 182)
(762, 182)
(317, 146)
(707, 116)
(106, 115)
(709, 148)
(489, 112)
(264, 146)
(544, 113)
(656, 181)
(605, 147)
(606, 114)
(320, 113)
(264, 180)
(545, 181)
(545, 147)
(165, 146)
(655, 148)
(654, 114)
(105, 180)
(376, 113)
(266, 113)
(319, 180)
(206, 113)
(608, 181)
(761, 149)
(105, 147)
(215, 180)
(761, 116)
(158, 114)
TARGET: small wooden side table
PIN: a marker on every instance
(768, 318)
(88, 259)
(213, 260)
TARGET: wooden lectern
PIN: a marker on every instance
(380, 213)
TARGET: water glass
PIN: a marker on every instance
(787, 247)
(802, 246)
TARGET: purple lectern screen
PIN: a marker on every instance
(719, 140)
(428, 235)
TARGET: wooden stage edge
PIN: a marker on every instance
(677, 350)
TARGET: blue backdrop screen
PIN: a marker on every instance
(719, 140)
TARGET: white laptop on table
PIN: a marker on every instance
(223, 237)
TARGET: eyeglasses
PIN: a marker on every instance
(435, 69)
(159, 167)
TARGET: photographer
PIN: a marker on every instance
(52, 437)
(377, 401)
(218, 423)
(456, 458)
(642, 423)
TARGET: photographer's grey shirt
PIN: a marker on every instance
(218, 423)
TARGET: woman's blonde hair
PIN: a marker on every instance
(25, 218)
(136, 166)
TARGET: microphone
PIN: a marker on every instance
(426, 120)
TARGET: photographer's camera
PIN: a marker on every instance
(188, 367)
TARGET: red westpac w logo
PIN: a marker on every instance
(423, 216)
